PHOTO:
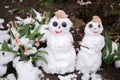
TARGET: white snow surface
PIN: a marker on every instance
(68, 77)
(1, 22)
(117, 64)
(26, 42)
(3, 70)
(81, 2)
(4, 36)
(25, 70)
(5, 58)
(11, 77)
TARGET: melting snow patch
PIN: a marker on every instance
(20, 0)
(6, 7)
(77, 29)
(81, 2)
(11, 77)
(72, 31)
(117, 64)
(68, 77)
(77, 49)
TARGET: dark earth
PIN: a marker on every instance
(108, 10)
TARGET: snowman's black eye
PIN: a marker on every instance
(3, 53)
(90, 26)
(64, 24)
(55, 23)
(99, 25)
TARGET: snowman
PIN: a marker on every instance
(61, 53)
(89, 57)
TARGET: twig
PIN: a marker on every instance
(77, 32)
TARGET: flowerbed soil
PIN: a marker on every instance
(73, 9)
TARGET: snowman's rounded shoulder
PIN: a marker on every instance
(99, 37)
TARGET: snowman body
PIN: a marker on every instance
(61, 53)
(89, 57)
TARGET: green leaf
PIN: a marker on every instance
(27, 30)
(16, 9)
(118, 50)
(110, 59)
(40, 36)
(22, 55)
(11, 35)
(108, 43)
(104, 50)
(42, 52)
(46, 3)
(117, 58)
(5, 46)
(11, 51)
(32, 35)
(41, 59)
(37, 29)
(107, 55)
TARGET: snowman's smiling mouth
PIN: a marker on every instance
(95, 32)
(58, 31)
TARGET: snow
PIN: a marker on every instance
(117, 64)
(77, 49)
(3, 70)
(6, 7)
(1, 22)
(30, 20)
(26, 42)
(5, 57)
(89, 57)
(25, 70)
(4, 60)
(59, 47)
(68, 77)
(114, 48)
(10, 77)
(4, 36)
(38, 15)
(81, 2)
(25, 21)
(96, 77)
(72, 31)
(20, 1)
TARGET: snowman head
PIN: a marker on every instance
(60, 24)
(94, 27)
